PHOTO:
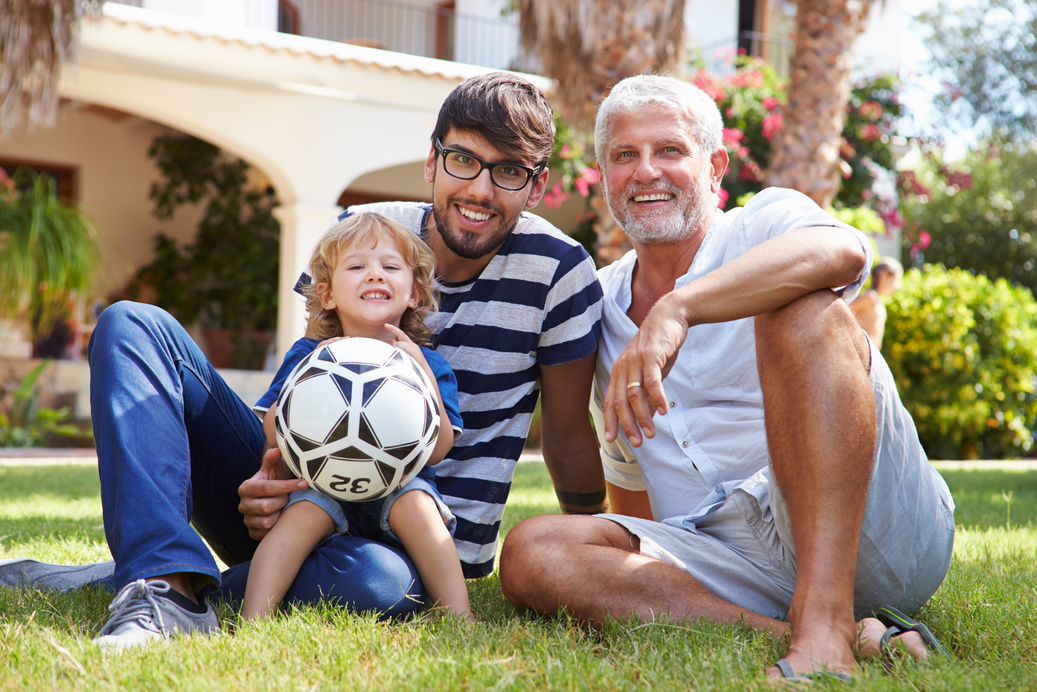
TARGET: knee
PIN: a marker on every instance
(123, 318)
(522, 556)
(802, 328)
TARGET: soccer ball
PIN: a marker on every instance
(357, 418)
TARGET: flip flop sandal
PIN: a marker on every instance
(898, 623)
(790, 676)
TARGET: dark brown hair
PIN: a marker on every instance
(509, 112)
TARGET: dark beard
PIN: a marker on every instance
(464, 245)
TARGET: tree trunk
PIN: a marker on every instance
(806, 149)
(587, 46)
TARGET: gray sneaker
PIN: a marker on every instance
(20, 572)
(141, 614)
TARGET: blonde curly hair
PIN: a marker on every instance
(369, 227)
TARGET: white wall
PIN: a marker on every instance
(255, 14)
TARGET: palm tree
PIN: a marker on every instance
(806, 149)
(587, 46)
(36, 37)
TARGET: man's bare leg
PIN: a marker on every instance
(590, 568)
(820, 418)
(545, 556)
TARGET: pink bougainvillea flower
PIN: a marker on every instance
(722, 198)
(750, 171)
(732, 135)
(959, 179)
(555, 197)
(771, 124)
(583, 183)
(870, 132)
(872, 110)
(770, 103)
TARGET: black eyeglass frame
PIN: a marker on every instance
(530, 172)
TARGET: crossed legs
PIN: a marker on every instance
(820, 420)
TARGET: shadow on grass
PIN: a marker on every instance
(993, 499)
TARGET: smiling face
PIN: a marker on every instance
(474, 217)
(658, 184)
(371, 286)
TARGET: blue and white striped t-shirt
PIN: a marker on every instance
(537, 302)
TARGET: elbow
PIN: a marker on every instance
(850, 263)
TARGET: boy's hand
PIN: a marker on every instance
(265, 494)
(404, 343)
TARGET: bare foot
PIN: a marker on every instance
(822, 650)
(871, 631)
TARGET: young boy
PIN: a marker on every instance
(371, 278)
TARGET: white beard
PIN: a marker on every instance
(672, 225)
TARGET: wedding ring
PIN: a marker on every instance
(631, 385)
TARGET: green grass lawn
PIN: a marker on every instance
(986, 612)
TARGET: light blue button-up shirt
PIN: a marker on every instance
(712, 439)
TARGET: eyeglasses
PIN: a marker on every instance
(465, 166)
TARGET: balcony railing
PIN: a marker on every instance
(405, 27)
(490, 40)
(716, 57)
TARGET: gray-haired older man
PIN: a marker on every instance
(750, 431)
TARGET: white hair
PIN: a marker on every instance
(634, 94)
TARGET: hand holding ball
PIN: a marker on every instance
(357, 418)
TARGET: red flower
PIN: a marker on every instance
(770, 103)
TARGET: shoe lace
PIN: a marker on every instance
(135, 603)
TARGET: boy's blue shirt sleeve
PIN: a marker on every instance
(299, 350)
(447, 383)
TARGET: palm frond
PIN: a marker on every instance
(37, 37)
(587, 46)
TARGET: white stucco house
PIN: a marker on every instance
(341, 110)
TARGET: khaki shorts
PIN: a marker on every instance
(743, 551)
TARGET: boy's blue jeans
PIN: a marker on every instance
(173, 445)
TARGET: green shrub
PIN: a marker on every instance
(963, 351)
(23, 422)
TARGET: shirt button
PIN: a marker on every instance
(673, 404)
(684, 444)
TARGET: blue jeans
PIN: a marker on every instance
(174, 442)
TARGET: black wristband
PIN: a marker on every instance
(590, 500)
